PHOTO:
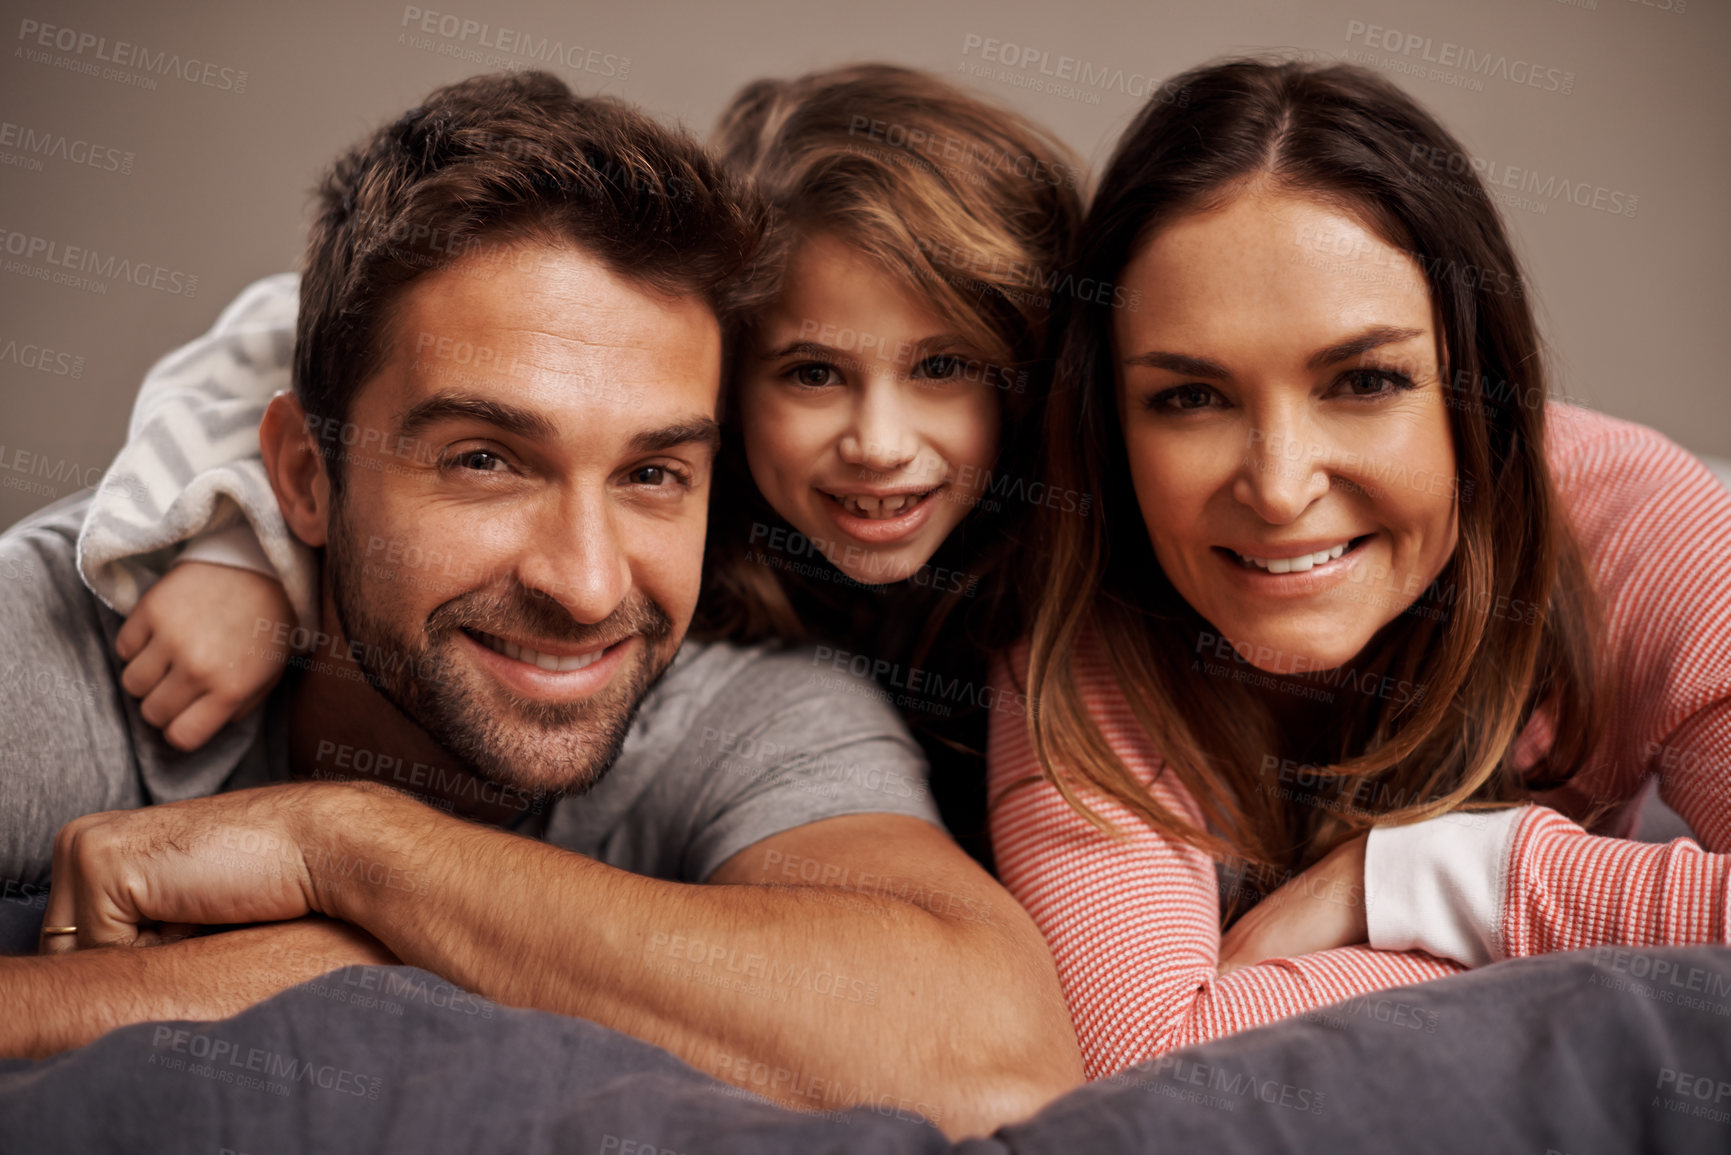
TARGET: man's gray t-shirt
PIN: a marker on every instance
(731, 746)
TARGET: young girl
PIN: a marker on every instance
(1350, 572)
(875, 398)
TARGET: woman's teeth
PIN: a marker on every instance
(878, 508)
(536, 657)
(1295, 564)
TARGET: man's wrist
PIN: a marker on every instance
(342, 830)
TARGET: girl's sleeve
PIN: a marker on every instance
(191, 467)
(1134, 923)
(1655, 526)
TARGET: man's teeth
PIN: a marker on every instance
(861, 505)
(536, 657)
(1295, 564)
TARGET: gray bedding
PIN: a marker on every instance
(1596, 1051)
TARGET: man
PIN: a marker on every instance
(592, 255)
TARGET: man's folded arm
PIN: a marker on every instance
(857, 959)
(57, 1002)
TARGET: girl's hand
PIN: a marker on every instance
(1321, 909)
(200, 651)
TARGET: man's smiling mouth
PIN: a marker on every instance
(553, 662)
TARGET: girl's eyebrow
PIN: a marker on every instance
(804, 348)
(817, 349)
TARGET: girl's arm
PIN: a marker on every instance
(191, 465)
(1134, 924)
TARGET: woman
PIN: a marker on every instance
(1344, 577)
(877, 388)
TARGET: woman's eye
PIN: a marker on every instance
(814, 375)
(1376, 382)
(1182, 397)
(479, 460)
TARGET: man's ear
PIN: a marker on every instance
(296, 469)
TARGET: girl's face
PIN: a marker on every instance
(1279, 387)
(870, 424)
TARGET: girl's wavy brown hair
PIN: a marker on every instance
(970, 207)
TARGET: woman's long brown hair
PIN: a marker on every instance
(1481, 671)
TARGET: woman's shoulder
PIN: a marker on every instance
(1610, 472)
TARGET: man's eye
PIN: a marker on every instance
(813, 375)
(479, 460)
(1182, 398)
(652, 475)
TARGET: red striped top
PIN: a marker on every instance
(1134, 925)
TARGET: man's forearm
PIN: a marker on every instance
(57, 1002)
(817, 997)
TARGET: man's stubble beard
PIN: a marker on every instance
(534, 747)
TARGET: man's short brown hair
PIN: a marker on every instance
(494, 160)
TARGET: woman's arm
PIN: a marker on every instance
(1530, 881)
(1134, 924)
(1655, 528)
(191, 469)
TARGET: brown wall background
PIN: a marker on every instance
(203, 172)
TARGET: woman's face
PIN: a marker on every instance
(869, 422)
(1280, 390)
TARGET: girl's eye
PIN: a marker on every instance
(813, 375)
(1182, 398)
(940, 367)
(479, 460)
(1375, 382)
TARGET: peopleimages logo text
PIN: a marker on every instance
(37, 35)
(109, 267)
(1470, 61)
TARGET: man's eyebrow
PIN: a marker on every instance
(1182, 363)
(701, 430)
(1364, 342)
(457, 407)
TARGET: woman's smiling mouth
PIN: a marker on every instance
(1290, 561)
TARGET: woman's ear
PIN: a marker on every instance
(296, 469)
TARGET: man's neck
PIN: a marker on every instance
(340, 728)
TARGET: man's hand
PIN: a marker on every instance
(120, 875)
(1321, 909)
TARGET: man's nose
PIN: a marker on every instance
(577, 556)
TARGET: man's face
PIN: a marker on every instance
(517, 547)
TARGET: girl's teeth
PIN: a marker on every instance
(1295, 564)
(878, 507)
(535, 658)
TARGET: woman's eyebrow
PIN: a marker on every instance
(1364, 342)
(1182, 363)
